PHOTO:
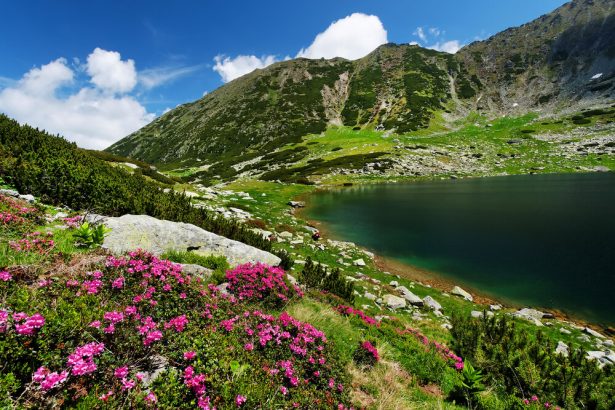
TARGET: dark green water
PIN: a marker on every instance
(543, 241)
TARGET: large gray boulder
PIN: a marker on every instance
(130, 232)
(410, 297)
(432, 303)
(394, 302)
(464, 294)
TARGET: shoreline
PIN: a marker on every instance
(433, 279)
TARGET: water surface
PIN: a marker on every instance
(546, 241)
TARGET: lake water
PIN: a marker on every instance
(543, 241)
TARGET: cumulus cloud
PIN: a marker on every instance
(231, 68)
(93, 117)
(110, 73)
(447, 46)
(352, 37)
(434, 39)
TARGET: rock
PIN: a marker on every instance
(460, 292)
(291, 279)
(394, 302)
(529, 314)
(595, 354)
(310, 229)
(479, 314)
(131, 232)
(369, 296)
(285, 234)
(447, 326)
(394, 283)
(592, 332)
(495, 307)
(601, 168)
(564, 331)
(223, 288)
(431, 303)
(296, 242)
(196, 270)
(584, 338)
(29, 198)
(608, 343)
(410, 297)
(9, 192)
(562, 348)
(296, 204)
(157, 365)
(359, 262)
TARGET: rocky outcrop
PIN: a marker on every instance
(130, 232)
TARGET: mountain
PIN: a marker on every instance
(564, 60)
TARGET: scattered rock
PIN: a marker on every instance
(28, 197)
(296, 204)
(285, 234)
(369, 296)
(601, 168)
(157, 365)
(592, 332)
(564, 331)
(9, 192)
(223, 288)
(431, 303)
(359, 262)
(479, 314)
(447, 326)
(495, 307)
(394, 302)
(130, 232)
(460, 292)
(394, 283)
(562, 348)
(410, 297)
(196, 270)
(529, 314)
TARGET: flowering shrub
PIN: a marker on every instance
(350, 311)
(16, 216)
(100, 338)
(366, 354)
(447, 354)
(73, 222)
(34, 242)
(261, 283)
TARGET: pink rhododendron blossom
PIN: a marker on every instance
(151, 398)
(189, 355)
(5, 276)
(121, 372)
(240, 400)
(81, 361)
(128, 384)
(106, 396)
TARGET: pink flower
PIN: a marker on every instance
(118, 283)
(284, 390)
(152, 337)
(151, 398)
(189, 355)
(96, 324)
(526, 402)
(182, 295)
(534, 398)
(128, 384)
(121, 372)
(249, 347)
(240, 400)
(5, 276)
(106, 396)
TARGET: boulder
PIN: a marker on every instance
(562, 348)
(432, 303)
(369, 296)
(593, 333)
(196, 270)
(479, 313)
(410, 297)
(296, 204)
(9, 192)
(495, 307)
(28, 198)
(394, 283)
(460, 292)
(529, 314)
(394, 302)
(131, 232)
(359, 262)
(564, 331)
(285, 234)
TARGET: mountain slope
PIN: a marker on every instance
(562, 61)
(551, 60)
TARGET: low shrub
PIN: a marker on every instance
(261, 283)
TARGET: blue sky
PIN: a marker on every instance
(94, 70)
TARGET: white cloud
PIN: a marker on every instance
(92, 117)
(447, 46)
(231, 68)
(110, 73)
(352, 37)
(434, 39)
(420, 33)
(154, 77)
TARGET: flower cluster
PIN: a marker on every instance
(81, 361)
(24, 325)
(350, 311)
(48, 380)
(5, 276)
(73, 222)
(447, 354)
(535, 403)
(260, 282)
(34, 242)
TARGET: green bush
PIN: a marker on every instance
(315, 276)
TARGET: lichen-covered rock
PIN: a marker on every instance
(131, 232)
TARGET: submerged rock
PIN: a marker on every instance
(131, 232)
